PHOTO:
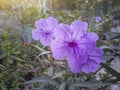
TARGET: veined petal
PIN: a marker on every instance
(36, 34)
(59, 49)
(75, 67)
(78, 28)
(62, 31)
(96, 55)
(89, 67)
(93, 59)
(46, 38)
(92, 36)
(46, 24)
(76, 57)
(52, 23)
(41, 24)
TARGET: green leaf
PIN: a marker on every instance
(60, 63)
(2, 67)
(38, 48)
(45, 52)
(71, 87)
(92, 84)
(10, 61)
(18, 59)
(40, 89)
(106, 47)
(50, 71)
(59, 74)
(111, 70)
(62, 86)
(42, 80)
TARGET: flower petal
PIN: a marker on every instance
(78, 28)
(41, 24)
(59, 49)
(75, 66)
(92, 36)
(93, 60)
(62, 32)
(89, 67)
(36, 34)
(96, 55)
(52, 23)
(46, 38)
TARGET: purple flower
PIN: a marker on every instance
(77, 46)
(68, 39)
(44, 30)
(98, 19)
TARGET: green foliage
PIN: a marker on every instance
(14, 62)
(66, 16)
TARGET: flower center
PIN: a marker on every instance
(73, 48)
(72, 44)
(47, 33)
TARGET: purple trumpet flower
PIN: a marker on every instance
(44, 30)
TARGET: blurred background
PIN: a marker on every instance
(14, 13)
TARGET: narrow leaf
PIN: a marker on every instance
(45, 52)
(62, 86)
(38, 48)
(50, 71)
(59, 74)
(111, 70)
(92, 84)
(42, 80)
(2, 67)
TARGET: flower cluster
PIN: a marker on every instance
(71, 42)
